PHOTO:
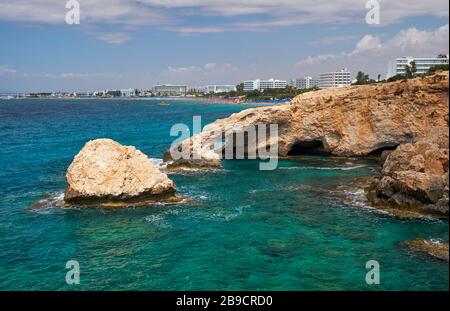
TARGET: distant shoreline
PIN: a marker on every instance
(212, 100)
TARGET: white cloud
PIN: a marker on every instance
(183, 69)
(208, 73)
(334, 39)
(368, 42)
(210, 66)
(198, 30)
(114, 37)
(127, 12)
(218, 67)
(71, 81)
(6, 71)
(74, 75)
(87, 81)
(49, 75)
(371, 54)
(413, 37)
(176, 15)
(206, 68)
(295, 11)
(310, 60)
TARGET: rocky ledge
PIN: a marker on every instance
(352, 121)
(415, 175)
(435, 249)
(104, 171)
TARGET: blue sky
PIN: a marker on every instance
(132, 43)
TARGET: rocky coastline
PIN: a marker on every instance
(415, 175)
(403, 123)
(353, 121)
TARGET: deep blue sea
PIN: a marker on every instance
(303, 226)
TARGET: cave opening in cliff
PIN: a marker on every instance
(311, 147)
(378, 151)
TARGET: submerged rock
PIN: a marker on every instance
(416, 174)
(351, 121)
(105, 171)
(433, 248)
(200, 163)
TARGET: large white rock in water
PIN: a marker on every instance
(106, 171)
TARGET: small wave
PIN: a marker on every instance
(173, 211)
(153, 218)
(159, 163)
(49, 202)
(352, 167)
(54, 201)
(229, 216)
(191, 171)
(357, 198)
(158, 220)
(256, 190)
(181, 200)
(436, 241)
(346, 168)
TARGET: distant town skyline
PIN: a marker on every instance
(139, 44)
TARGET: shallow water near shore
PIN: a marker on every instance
(244, 229)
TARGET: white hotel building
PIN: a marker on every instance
(258, 84)
(397, 66)
(127, 92)
(339, 78)
(219, 88)
(304, 83)
(169, 90)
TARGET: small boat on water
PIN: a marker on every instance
(163, 104)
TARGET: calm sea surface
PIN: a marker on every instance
(245, 229)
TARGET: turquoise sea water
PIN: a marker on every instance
(245, 229)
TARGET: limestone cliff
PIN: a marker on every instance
(352, 121)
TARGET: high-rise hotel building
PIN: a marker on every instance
(258, 84)
(304, 83)
(339, 78)
(423, 64)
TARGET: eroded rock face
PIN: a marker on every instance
(352, 121)
(106, 171)
(416, 174)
